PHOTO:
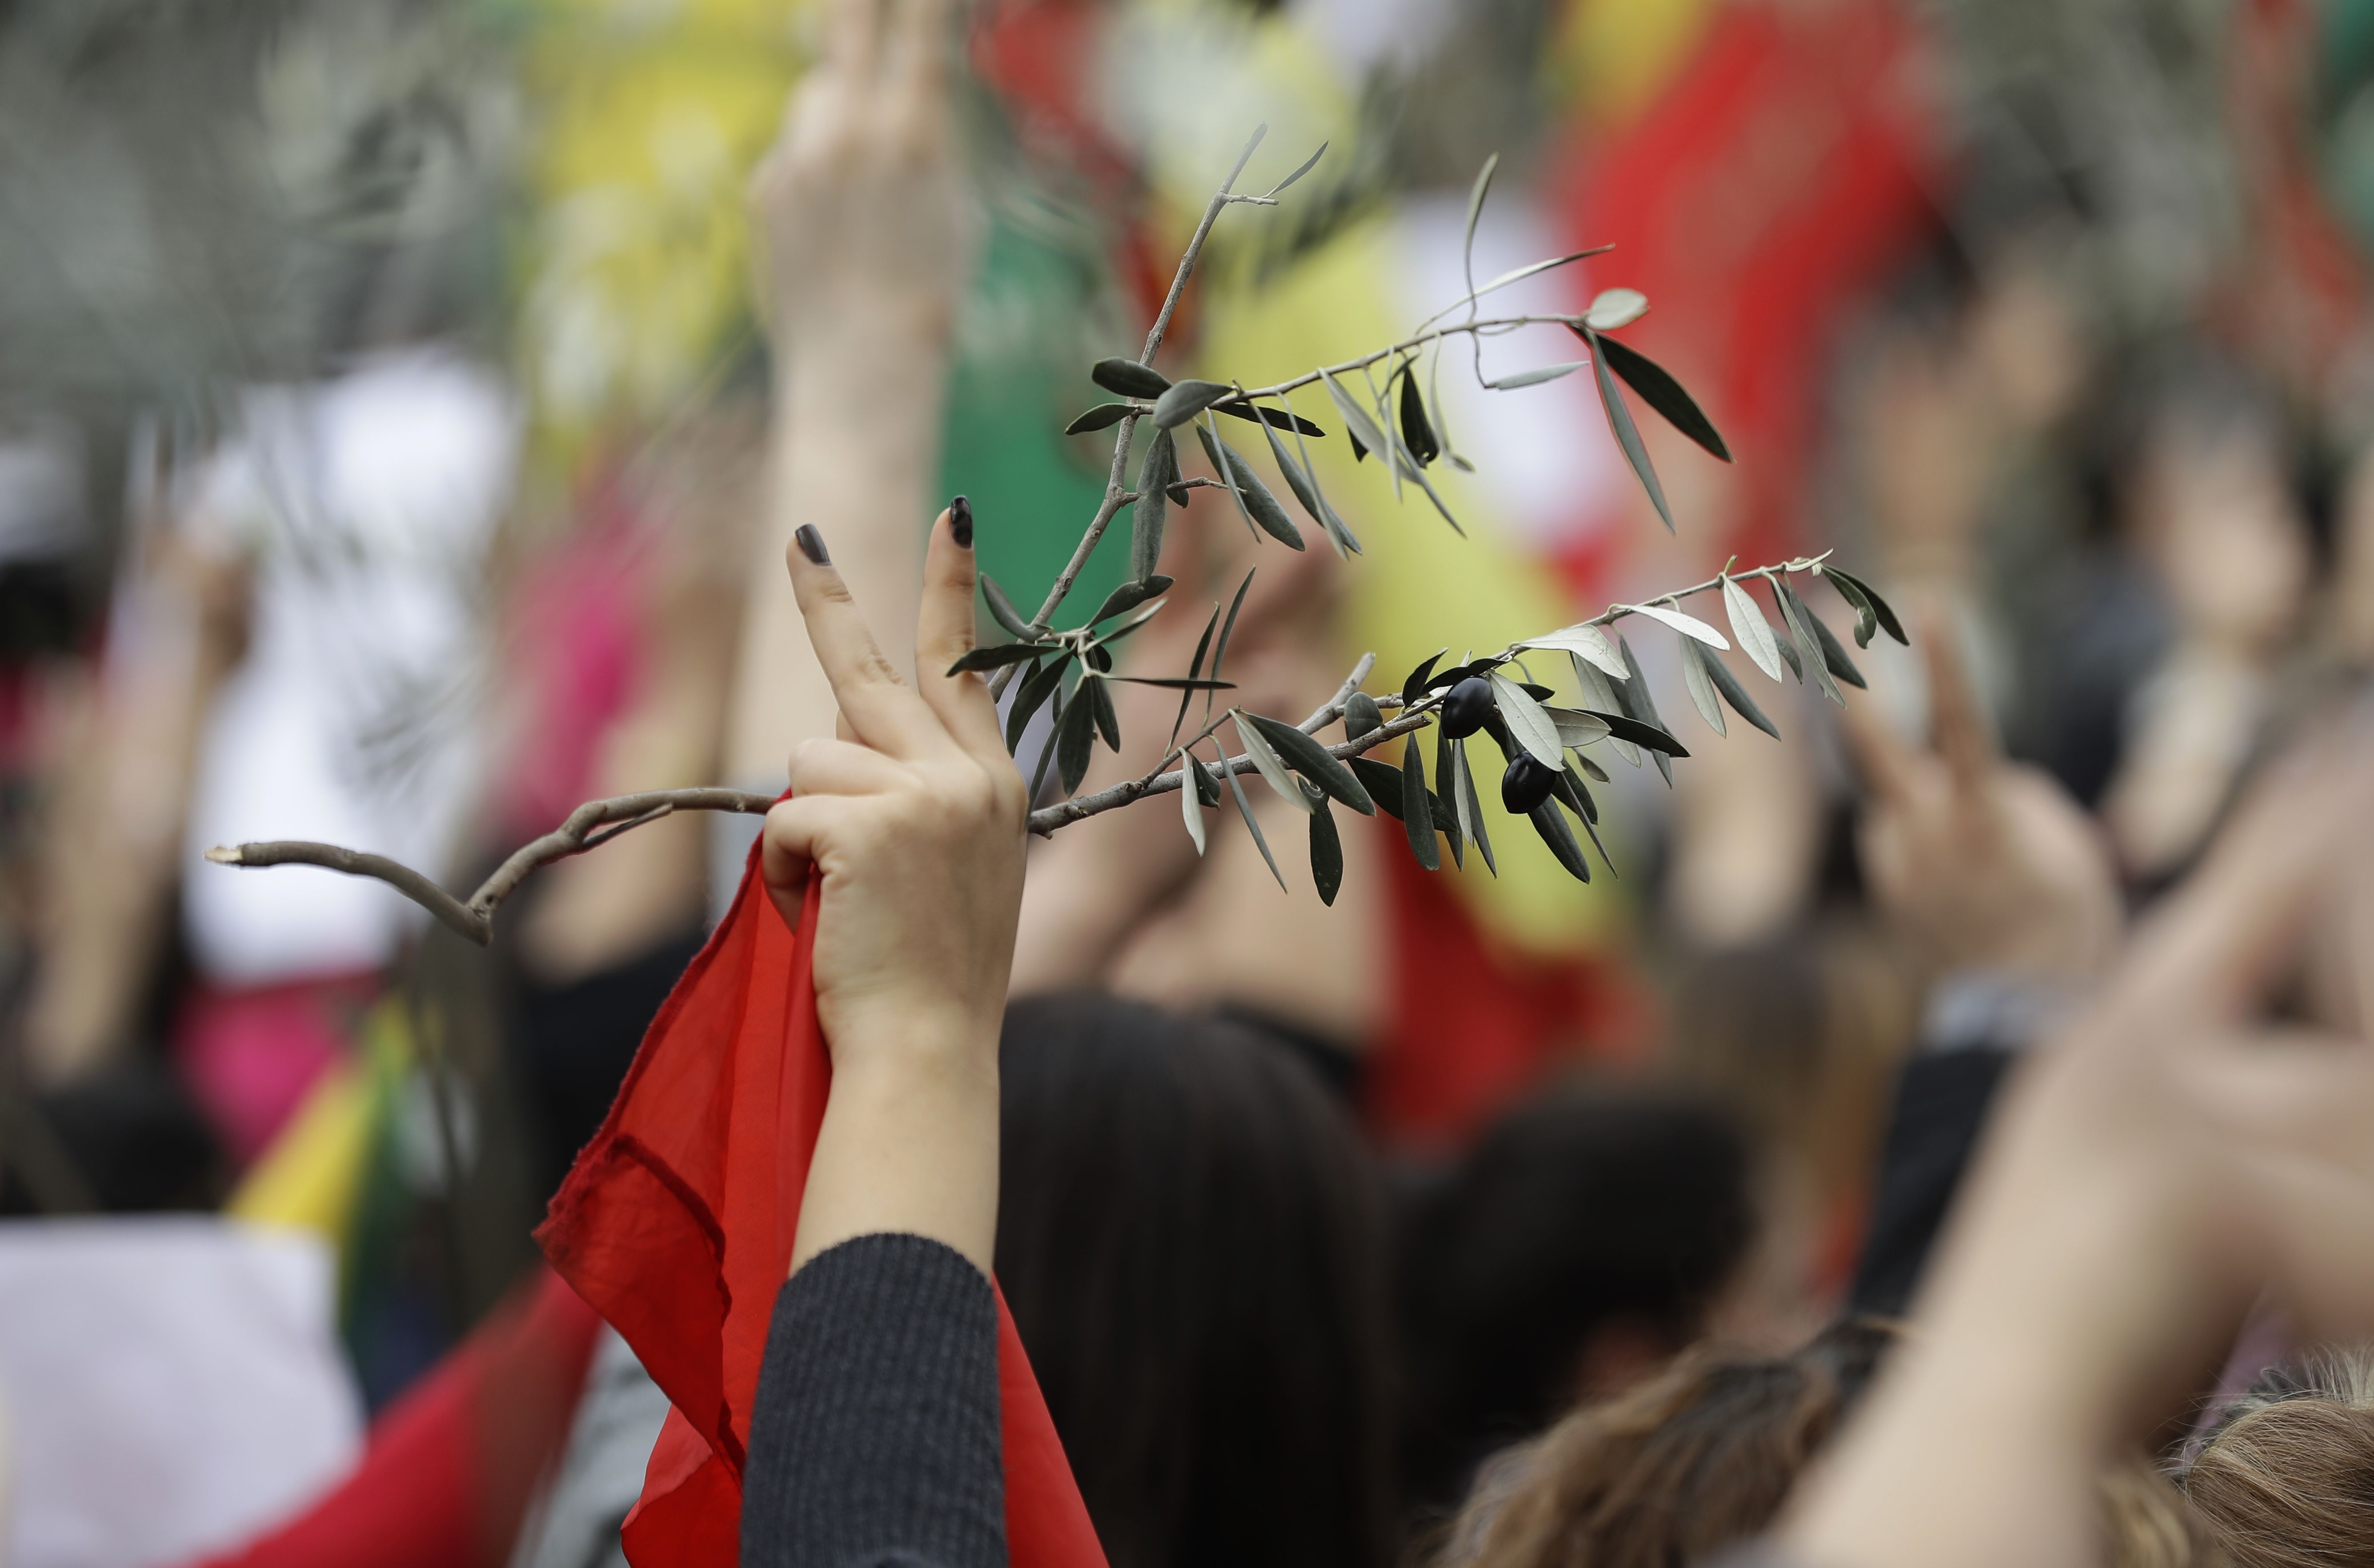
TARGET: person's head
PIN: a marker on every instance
(1579, 1245)
(1192, 1240)
(2286, 1479)
(1698, 1457)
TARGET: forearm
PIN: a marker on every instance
(853, 448)
(909, 1142)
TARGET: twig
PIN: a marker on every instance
(475, 919)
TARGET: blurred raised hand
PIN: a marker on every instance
(1987, 864)
(865, 250)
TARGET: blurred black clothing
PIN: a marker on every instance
(1941, 1104)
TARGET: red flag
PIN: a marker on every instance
(676, 1225)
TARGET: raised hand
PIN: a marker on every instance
(914, 823)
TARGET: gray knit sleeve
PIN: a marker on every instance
(874, 1438)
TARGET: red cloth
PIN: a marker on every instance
(676, 1223)
(447, 1475)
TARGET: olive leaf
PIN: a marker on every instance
(1736, 694)
(1033, 695)
(1800, 627)
(1001, 610)
(1194, 668)
(1416, 685)
(1304, 482)
(1834, 656)
(1190, 808)
(1102, 416)
(1417, 433)
(1357, 423)
(1650, 737)
(1576, 727)
(1266, 758)
(1185, 400)
(997, 654)
(1301, 170)
(1326, 851)
(1532, 728)
(1309, 758)
(1158, 469)
(1415, 818)
(1869, 606)
(1598, 698)
(1688, 626)
(1075, 738)
(1128, 596)
(1245, 809)
(1584, 806)
(1754, 632)
(1383, 782)
(1252, 496)
(1661, 391)
(1701, 685)
(1271, 418)
(1549, 821)
(1518, 380)
(1586, 640)
(1108, 721)
(1129, 378)
(1613, 307)
(1628, 436)
(1361, 716)
(1467, 809)
(1220, 650)
(1641, 706)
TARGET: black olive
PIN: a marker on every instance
(1526, 784)
(1464, 711)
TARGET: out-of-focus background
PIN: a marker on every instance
(382, 446)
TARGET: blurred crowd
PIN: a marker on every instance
(405, 408)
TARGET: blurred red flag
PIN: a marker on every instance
(676, 1225)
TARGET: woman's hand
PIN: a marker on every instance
(914, 821)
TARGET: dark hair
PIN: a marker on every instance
(1588, 1207)
(1190, 1239)
(1698, 1458)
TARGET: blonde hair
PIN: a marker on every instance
(2286, 1480)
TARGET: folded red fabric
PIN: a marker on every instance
(676, 1225)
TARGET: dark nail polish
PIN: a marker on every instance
(961, 522)
(812, 544)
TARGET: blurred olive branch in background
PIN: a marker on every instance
(1549, 766)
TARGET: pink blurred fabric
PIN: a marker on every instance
(251, 1055)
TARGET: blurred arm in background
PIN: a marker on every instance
(865, 247)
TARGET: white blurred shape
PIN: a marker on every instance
(173, 1386)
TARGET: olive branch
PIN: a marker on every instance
(1548, 749)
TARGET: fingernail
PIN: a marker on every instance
(812, 544)
(961, 522)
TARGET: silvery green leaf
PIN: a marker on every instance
(1302, 169)
(1102, 416)
(1615, 307)
(1532, 728)
(1190, 807)
(1417, 432)
(1108, 721)
(1536, 376)
(1591, 768)
(1869, 600)
(1834, 657)
(1475, 211)
(1185, 400)
(1585, 640)
(1575, 726)
(1245, 809)
(1517, 274)
(1754, 632)
(1114, 633)
(1642, 733)
(1160, 466)
(1361, 716)
(1001, 610)
(1419, 680)
(1800, 627)
(1661, 391)
(1599, 697)
(1736, 694)
(1357, 420)
(1266, 760)
(1194, 668)
(1688, 626)
(1408, 469)
(1326, 851)
(1033, 695)
(1637, 702)
(1417, 819)
(1695, 661)
(1304, 482)
(1128, 596)
(1469, 811)
(1275, 418)
(1550, 823)
(1220, 649)
(1311, 760)
(999, 653)
(1129, 378)
(1075, 739)
(1251, 494)
(1619, 420)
